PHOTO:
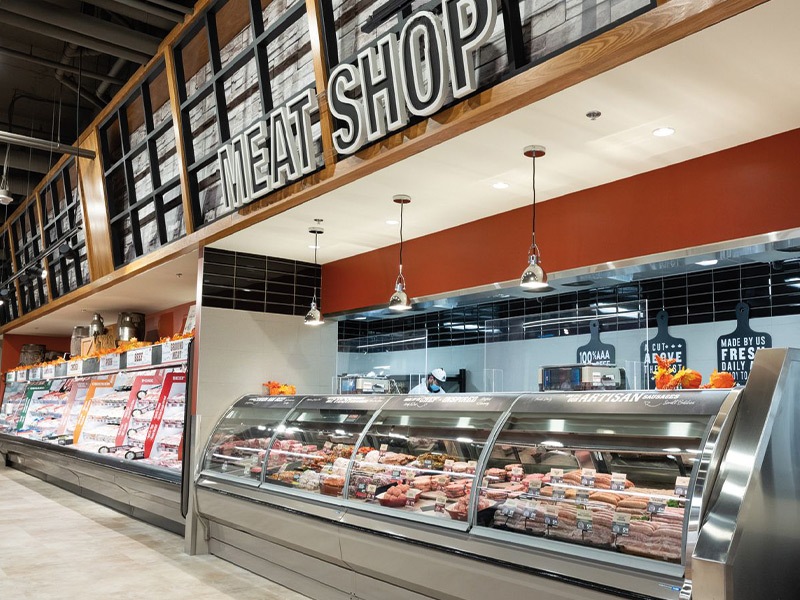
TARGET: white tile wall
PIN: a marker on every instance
(519, 361)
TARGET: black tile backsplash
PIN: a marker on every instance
(770, 289)
(244, 281)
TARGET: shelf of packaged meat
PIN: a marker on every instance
(131, 416)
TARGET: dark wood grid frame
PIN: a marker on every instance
(526, 33)
(9, 310)
(28, 251)
(226, 67)
(62, 223)
(142, 175)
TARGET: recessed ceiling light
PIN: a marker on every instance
(392, 222)
(663, 131)
(313, 247)
(500, 185)
(360, 319)
(707, 263)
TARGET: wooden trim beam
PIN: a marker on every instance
(315, 30)
(40, 217)
(177, 126)
(95, 211)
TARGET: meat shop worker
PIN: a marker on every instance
(433, 383)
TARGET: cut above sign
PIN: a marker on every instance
(391, 81)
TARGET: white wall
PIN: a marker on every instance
(240, 350)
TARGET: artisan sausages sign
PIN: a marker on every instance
(736, 351)
(398, 78)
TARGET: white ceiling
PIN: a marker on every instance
(727, 85)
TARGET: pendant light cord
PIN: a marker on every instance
(533, 185)
(401, 238)
(316, 245)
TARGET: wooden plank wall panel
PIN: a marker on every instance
(95, 210)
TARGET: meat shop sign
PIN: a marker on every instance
(392, 81)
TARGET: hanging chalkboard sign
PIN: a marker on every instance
(735, 351)
(664, 345)
(596, 352)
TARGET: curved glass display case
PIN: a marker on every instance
(561, 495)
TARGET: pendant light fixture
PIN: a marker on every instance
(313, 316)
(534, 276)
(399, 300)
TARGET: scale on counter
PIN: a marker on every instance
(581, 377)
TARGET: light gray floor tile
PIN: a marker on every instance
(55, 544)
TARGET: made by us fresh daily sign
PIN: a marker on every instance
(395, 79)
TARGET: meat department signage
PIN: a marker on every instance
(401, 76)
(411, 76)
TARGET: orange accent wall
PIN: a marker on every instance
(12, 347)
(167, 322)
(748, 190)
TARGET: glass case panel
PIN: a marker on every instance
(420, 454)
(240, 441)
(313, 449)
(608, 470)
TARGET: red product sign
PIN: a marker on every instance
(155, 424)
(140, 384)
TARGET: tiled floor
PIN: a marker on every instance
(54, 544)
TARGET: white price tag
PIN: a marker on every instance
(556, 475)
(74, 368)
(177, 351)
(35, 373)
(140, 357)
(109, 362)
(22, 375)
(49, 372)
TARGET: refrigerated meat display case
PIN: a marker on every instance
(115, 437)
(555, 495)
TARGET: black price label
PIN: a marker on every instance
(534, 487)
(681, 486)
(556, 475)
(529, 510)
(584, 520)
(587, 477)
(582, 498)
(618, 482)
(508, 508)
(656, 506)
(558, 493)
(551, 517)
(621, 524)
